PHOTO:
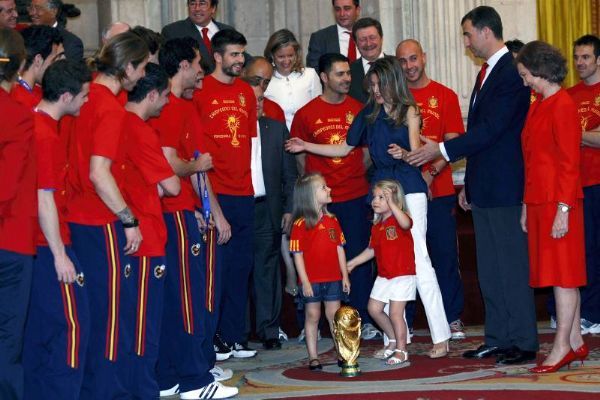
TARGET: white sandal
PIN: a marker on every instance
(384, 353)
(397, 361)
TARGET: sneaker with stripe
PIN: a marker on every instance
(214, 390)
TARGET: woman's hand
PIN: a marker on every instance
(397, 152)
(295, 145)
(523, 219)
(560, 226)
(307, 290)
(346, 285)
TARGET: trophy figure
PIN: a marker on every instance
(346, 331)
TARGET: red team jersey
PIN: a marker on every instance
(228, 116)
(273, 110)
(394, 249)
(96, 131)
(440, 114)
(324, 123)
(29, 99)
(145, 167)
(587, 99)
(18, 197)
(51, 170)
(319, 248)
(176, 129)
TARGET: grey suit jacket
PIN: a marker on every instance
(72, 44)
(357, 88)
(185, 28)
(279, 168)
(322, 42)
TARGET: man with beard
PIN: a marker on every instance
(227, 107)
(199, 25)
(442, 120)
(368, 34)
(325, 120)
(336, 38)
(8, 14)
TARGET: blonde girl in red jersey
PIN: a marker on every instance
(317, 245)
(392, 245)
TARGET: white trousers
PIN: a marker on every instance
(427, 284)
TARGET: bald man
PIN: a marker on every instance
(442, 120)
(259, 70)
(113, 30)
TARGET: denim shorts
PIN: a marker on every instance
(323, 291)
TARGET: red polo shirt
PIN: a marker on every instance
(394, 249)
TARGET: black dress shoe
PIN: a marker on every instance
(272, 344)
(514, 355)
(483, 351)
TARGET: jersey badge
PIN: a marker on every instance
(390, 233)
(433, 102)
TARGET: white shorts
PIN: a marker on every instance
(400, 288)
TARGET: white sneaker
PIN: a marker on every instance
(241, 350)
(282, 335)
(589, 327)
(214, 390)
(170, 392)
(221, 374)
(302, 335)
(457, 329)
(369, 332)
(552, 322)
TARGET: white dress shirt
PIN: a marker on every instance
(365, 62)
(258, 180)
(212, 29)
(292, 92)
(491, 62)
(344, 40)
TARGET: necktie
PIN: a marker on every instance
(206, 40)
(351, 48)
(480, 77)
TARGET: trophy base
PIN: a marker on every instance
(350, 370)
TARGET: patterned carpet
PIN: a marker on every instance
(283, 374)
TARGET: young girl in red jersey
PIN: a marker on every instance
(392, 245)
(317, 244)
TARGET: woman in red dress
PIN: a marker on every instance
(552, 204)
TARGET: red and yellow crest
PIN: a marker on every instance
(332, 234)
(349, 117)
(242, 100)
(597, 100)
(390, 233)
(433, 102)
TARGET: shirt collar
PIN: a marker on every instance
(365, 62)
(493, 60)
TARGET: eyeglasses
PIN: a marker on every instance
(199, 4)
(36, 9)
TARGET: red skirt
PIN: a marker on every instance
(555, 262)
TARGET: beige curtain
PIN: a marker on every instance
(560, 22)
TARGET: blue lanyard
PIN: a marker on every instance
(203, 192)
(25, 85)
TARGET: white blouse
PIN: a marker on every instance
(292, 92)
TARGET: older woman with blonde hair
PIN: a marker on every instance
(292, 85)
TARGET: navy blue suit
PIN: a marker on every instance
(322, 42)
(494, 187)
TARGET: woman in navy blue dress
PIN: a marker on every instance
(389, 123)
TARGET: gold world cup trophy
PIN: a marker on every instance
(346, 330)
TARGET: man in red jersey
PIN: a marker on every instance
(145, 169)
(227, 107)
(18, 214)
(586, 53)
(58, 318)
(8, 14)
(325, 120)
(186, 362)
(44, 46)
(441, 120)
(260, 70)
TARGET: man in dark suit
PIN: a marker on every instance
(199, 25)
(368, 34)
(335, 38)
(45, 12)
(8, 14)
(494, 190)
(273, 176)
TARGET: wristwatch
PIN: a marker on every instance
(563, 207)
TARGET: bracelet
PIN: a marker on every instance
(132, 224)
(126, 216)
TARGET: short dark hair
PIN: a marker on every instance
(589, 40)
(64, 76)
(154, 40)
(543, 60)
(514, 46)
(485, 16)
(365, 23)
(156, 78)
(356, 3)
(226, 37)
(12, 53)
(327, 60)
(39, 39)
(213, 3)
(174, 52)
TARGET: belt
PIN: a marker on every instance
(260, 199)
